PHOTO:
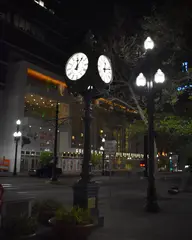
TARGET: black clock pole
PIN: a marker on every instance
(86, 191)
(85, 176)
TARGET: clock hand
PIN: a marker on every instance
(77, 64)
(78, 61)
(106, 69)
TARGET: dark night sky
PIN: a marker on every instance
(100, 13)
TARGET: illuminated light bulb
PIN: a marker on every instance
(41, 98)
(19, 134)
(34, 100)
(31, 95)
(141, 80)
(159, 76)
(18, 122)
(149, 44)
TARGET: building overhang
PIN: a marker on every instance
(60, 82)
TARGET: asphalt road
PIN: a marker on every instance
(40, 189)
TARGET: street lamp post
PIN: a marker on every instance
(103, 157)
(103, 160)
(17, 136)
(55, 157)
(152, 205)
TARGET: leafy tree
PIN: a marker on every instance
(95, 159)
(168, 26)
(46, 158)
(124, 43)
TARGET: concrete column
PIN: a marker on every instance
(13, 110)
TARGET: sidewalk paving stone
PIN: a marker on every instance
(125, 218)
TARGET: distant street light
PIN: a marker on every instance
(103, 140)
(17, 136)
(18, 122)
(101, 148)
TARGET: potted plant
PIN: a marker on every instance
(20, 227)
(45, 210)
(76, 223)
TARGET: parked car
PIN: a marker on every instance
(44, 172)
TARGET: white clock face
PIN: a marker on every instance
(76, 66)
(105, 69)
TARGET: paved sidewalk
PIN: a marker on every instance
(125, 218)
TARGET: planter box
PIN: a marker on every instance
(70, 231)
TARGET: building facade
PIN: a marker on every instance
(33, 54)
